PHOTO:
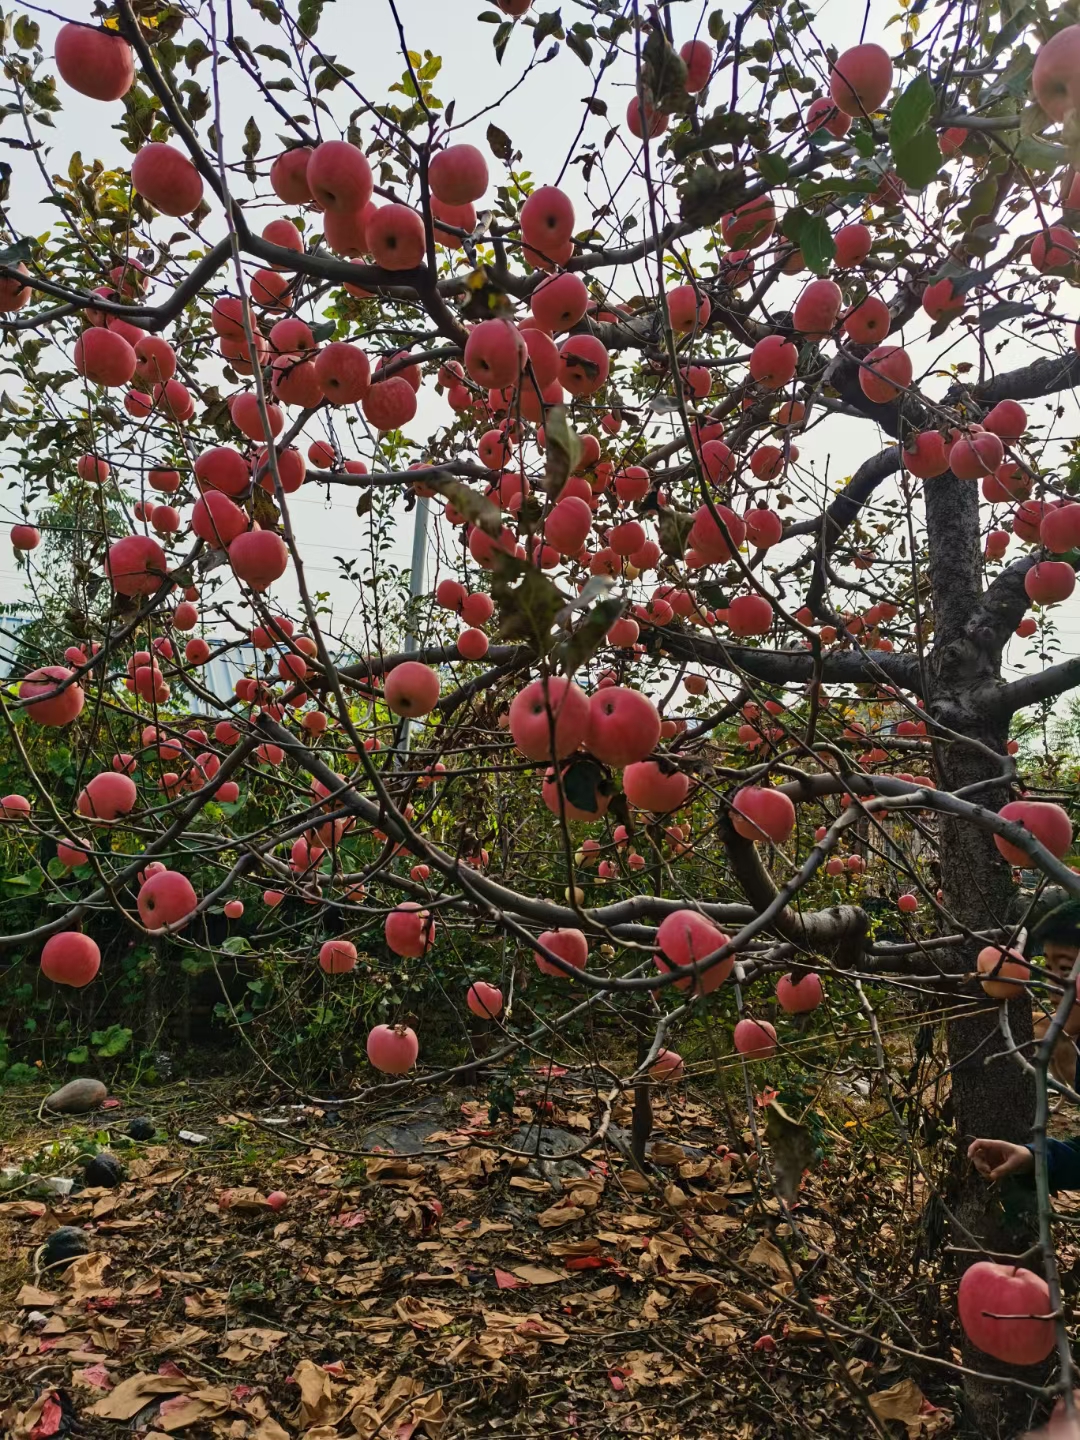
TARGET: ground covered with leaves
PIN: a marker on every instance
(434, 1273)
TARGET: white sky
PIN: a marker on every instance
(542, 118)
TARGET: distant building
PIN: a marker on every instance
(11, 629)
(220, 674)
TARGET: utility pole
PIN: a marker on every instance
(416, 589)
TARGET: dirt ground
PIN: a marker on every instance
(433, 1273)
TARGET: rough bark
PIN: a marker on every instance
(990, 1097)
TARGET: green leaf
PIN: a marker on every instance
(79, 1056)
(562, 450)
(252, 141)
(718, 27)
(579, 648)
(271, 52)
(113, 1041)
(323, 331)
(774, 168)
(994, 315)
(585, 781)
(707, 194)
(911, 111)
(864, 143)
(918, 160)
(501, 39)
(308, 16)
(500, 144)
(21, 250)
(1036, 154)
(675, 527)
(527, 610)
(236, 945)
(547, 24)
(26, 32)
(817, 244)
(580, 46)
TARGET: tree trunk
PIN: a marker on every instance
(993, 1098)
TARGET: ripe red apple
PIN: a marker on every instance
(1049, 582)
(756, 1039)
(761, 814)
(288, 176)
(907, 903)
(258, 557)
(166, 898)
(541, 704)
(458, 175)
(337, 957)
(547, 219)
(1008, 969)
(343, 373)
(339, 177)
(799, 997)
(667, 1067)
(1049, 824)
(689, 308)
(97, 63)
(70, 958)
(773, 361)
(1055, 78)
(104, 357)
(817, 309)
(136, 565)
(569, 945)
(484, 1000)
(884, 372)
(750, 225)
(941, 301)
(624, 726)
(390, 404)
(711, 541)
(167, 179)
(1000, 1305)
(71, 856)
(409, 930)
(925, 455)
(107, 796)
(583, 364)
(861, 79)
(218, 520)
(648, 787)
(750, 615)
(411, 689)
(395, 237)
(234, 909)
(1008, 420)
(277, 1199)
(560, 301)
(764, 528)
(686, 937)
(698, 58)
(393, 1049)
(869, 322)
(25, 537)
(1059, 529)
(823, 113)
(495, 354)
(853, 244)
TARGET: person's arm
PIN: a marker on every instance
(998, 1158)
(1062, 1163)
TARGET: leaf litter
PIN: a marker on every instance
(468, 1290)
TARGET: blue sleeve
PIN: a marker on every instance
(1062, 1164)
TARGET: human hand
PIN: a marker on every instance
(997, 1158)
